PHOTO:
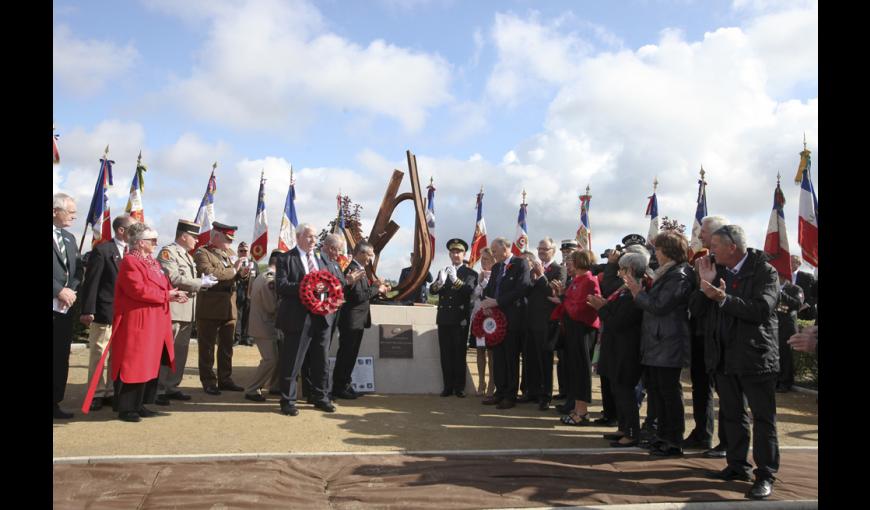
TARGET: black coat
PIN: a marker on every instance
(288, 275)
(810, 286)
(748, 319)
(666, 339)
(67, 275)
(356, 311)
(454, 299)
(611, 281)
(98, 287)
(539, 307)
(514, 285)
(619, 358)
(791, 298)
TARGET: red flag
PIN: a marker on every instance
(261, 230)
(478, 242)
(776, 242)
(205, 215)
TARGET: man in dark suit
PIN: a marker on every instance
(809, 285)
(98, 295)
(355, 317)
(791, 299)
(454, 286)
(507, 289)
(420, 295)
(67, 273)
(744, 353)
(304, 331)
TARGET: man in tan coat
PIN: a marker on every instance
(264, 307)
(180, 268)
(216, 308)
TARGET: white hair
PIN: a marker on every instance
(303, 227)
(714, 222)
(334, 240)
(140, 231)
(734, 234)
(61, 199)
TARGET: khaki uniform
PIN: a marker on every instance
(264, 307)
(181, 271)
(216, 315)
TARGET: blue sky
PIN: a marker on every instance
(546, 96)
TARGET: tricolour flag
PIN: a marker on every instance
(134, 203)
(54, 149)
(261, 230)
(478, 241)
(652, 210)
(776, 242)
(99, 217)
(808, 220)
(695, 245)
(205, 215)
(289, 222)
(584, 233)
(521, 242)
(430, 213)
(339, 228)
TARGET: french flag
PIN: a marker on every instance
(776, 242)
(695, 245)
(584, 233)
(261, 230)
(134, 203)
(478, 241)
(652, 210)
(99, 217)
(522, 240)
(289, 222)
(54, 149)
(808, 220)
(205, 215)
(430, 213)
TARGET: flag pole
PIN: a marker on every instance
(82, 243)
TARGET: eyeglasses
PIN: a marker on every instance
(726, 231)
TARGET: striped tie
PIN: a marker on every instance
(311, 267)
(60, 246)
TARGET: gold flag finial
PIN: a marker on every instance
(655, 184)
(106, 153)
(139, 159)
(524, 196)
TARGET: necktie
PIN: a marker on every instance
(60, 246)
(311, 266)
(500, 276)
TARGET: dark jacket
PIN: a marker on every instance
(454, 299)
(289, 273)
(619, 359)
(750, 343)
(810, 286)
(67, 275)
(512, 288)
(666, 340)
(98, 287)
(611, 280)
(791, 298)
(420, 295)
(356, 311)
(539, 307)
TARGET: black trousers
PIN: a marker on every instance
(349, 341)
(608, 401)
(312, 340)
(539, 373)
(130, 397)
(452, 346)
(578, 367)
(760, 393)
(652, 412)
(505, 365)
(626, 408)
(786, 362)
(62, 338)
(702, 392)
(665, 389)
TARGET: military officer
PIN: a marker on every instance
(176, 262)
(454, 286)
(264, 306)
(243, 298)
(216, 308)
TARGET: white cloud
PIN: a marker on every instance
(266, 62)
(85, 66)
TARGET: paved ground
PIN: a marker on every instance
(230, 424)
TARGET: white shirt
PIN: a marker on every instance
(121, 245)
(734, 270)
(304, 256)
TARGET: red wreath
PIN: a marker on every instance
(491, 324)
(315, 285)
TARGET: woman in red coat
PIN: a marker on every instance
(581, 327)
(142, 326)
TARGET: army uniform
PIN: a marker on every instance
(180, 268)
(264, 307)
(216, 315)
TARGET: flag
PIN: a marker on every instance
(99, 217)
(478, 241)
(776, 242)
(430, 213)
(584, 233)
(261, 230)
(652, 210)
(695, 245)
(134, 203)
(808, 219)
(289, 222)
(339, 228)
(522, 239)
(205, 215)
(54, 149)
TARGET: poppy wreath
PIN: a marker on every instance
(491, 324)
(316, 283)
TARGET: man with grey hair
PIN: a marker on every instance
(67, 273)
(744, 353)
(98, 295)
(303, 330)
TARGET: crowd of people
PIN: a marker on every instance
(646, 313)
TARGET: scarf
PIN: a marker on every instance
(662, 270)
(149, 261)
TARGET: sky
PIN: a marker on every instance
(514, 95)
